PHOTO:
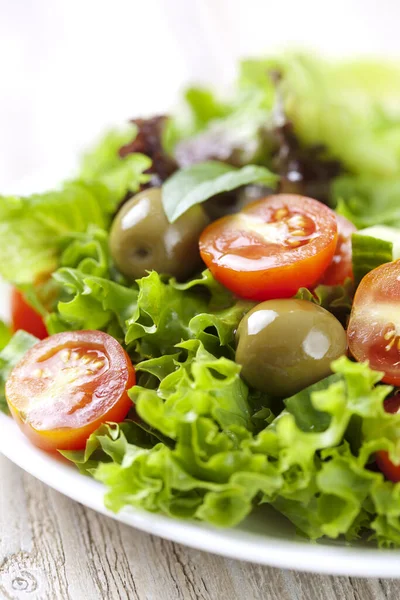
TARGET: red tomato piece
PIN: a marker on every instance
(67, 385)
(23, 316)
(341, 266)
(374, 327)
(272, 248)
(391, 471)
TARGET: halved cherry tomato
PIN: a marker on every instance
(341, 266)
(67, 385)
(25, 317)
(373, 333)
(272, 248)
(391, 471)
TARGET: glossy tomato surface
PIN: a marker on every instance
(341, 266)
(374, 327)
(23, 316)
(67, 385)
(390, 470)
(272, 248)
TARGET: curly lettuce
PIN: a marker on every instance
(33, 229)
(151, 316)
(312, 463)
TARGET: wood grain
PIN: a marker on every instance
(52, 548)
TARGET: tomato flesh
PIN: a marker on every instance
(374, 327)
(23, 316)
(341, 266)
(67, 385)
(272, 248)
(390, 470)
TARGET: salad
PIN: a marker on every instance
(206, 319)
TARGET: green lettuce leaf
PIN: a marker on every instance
(307, 417)
(151, 316)
(328, 487)
(198, 183)
(88, 252)
(329, 102)
(204, 106)
(103, 156)
(168, 313)
(368, 200)
(370, 251)
(337, 299)
(311, 463)
(91, 303)
(33, 230)
(110, 443)
(215, 467)
(126, 177)
(10, 355)
(202, 408)
(162, 316)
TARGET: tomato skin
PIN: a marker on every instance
(67, 385)
(23, 316)
(373, 332)
(391, 471)
(272, 248)
(341, 266)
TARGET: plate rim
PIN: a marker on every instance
(232, 543)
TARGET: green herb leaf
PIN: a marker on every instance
(196, 184)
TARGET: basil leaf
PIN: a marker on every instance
(198, 183)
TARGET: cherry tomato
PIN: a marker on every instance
(67, 385)
(341, 266)
(373, 333)
(272, 248)
(391, 471)
(25, 317)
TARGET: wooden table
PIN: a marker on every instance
(52, 548)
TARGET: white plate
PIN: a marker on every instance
(265, 537)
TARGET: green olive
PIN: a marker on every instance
(142, 239)
(287, 345)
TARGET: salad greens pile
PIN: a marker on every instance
(198, 441)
